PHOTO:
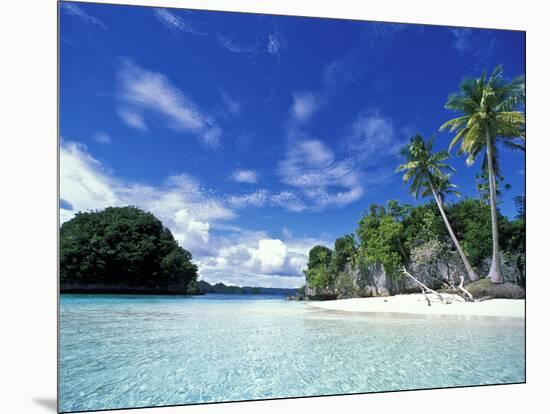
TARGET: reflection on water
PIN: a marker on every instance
(133, 351)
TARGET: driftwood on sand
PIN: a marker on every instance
(425, 288)
(459, 289)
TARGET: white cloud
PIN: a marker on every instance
(180, 203)
(229, 44)
(311, 167)
(256, 199)
(102, 138)
(236, 47)
(289, 200)
(304, 106)
(141, 89)
(173, 22)
(74, 10)
(85, 183)
(373, 138)
(270, 255)
(229, 254)
(132, 119)
(253, 258)
(245, 176)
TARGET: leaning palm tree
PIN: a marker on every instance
(443, 186)
(426, 172)
(492, 113)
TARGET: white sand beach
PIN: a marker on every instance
(416, 304)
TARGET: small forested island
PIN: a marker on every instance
(123, 250)
(128, 250)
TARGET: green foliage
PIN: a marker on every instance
(381, 239)
(319, 273)
(471, 221)
(489, 106)
(425, 170)
(422, 224)
(122, 246)
(398, 211)
(482, 186)
(520, 207)
(512, 235)
(398, 234)
(319, 277)
(319, 256)
(344, 252)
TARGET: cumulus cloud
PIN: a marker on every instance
(255, 256)
(270, 255)
(180, 202)
(198, 220)
(85, 183)
(75, 10)
(245, 176)
(144, 90)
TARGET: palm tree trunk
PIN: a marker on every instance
(495, 273)
(471, 274)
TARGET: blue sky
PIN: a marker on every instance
(255, 137)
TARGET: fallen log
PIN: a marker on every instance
(425, 288)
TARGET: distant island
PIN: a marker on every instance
(206, 287)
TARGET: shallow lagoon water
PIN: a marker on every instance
(122, 351)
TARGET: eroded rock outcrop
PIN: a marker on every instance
(372, 280)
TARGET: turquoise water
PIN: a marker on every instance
(135, 351)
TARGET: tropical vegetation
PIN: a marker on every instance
(123, 248)
(396, 235)
(426, 172)
(491, 111)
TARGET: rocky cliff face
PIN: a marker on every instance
(373, 281)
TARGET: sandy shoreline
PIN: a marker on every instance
(416, 304)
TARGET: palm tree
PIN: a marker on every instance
(425, 170)
(492, 113)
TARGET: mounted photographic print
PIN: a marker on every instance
(261, 207)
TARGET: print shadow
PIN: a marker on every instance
(49, 403)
